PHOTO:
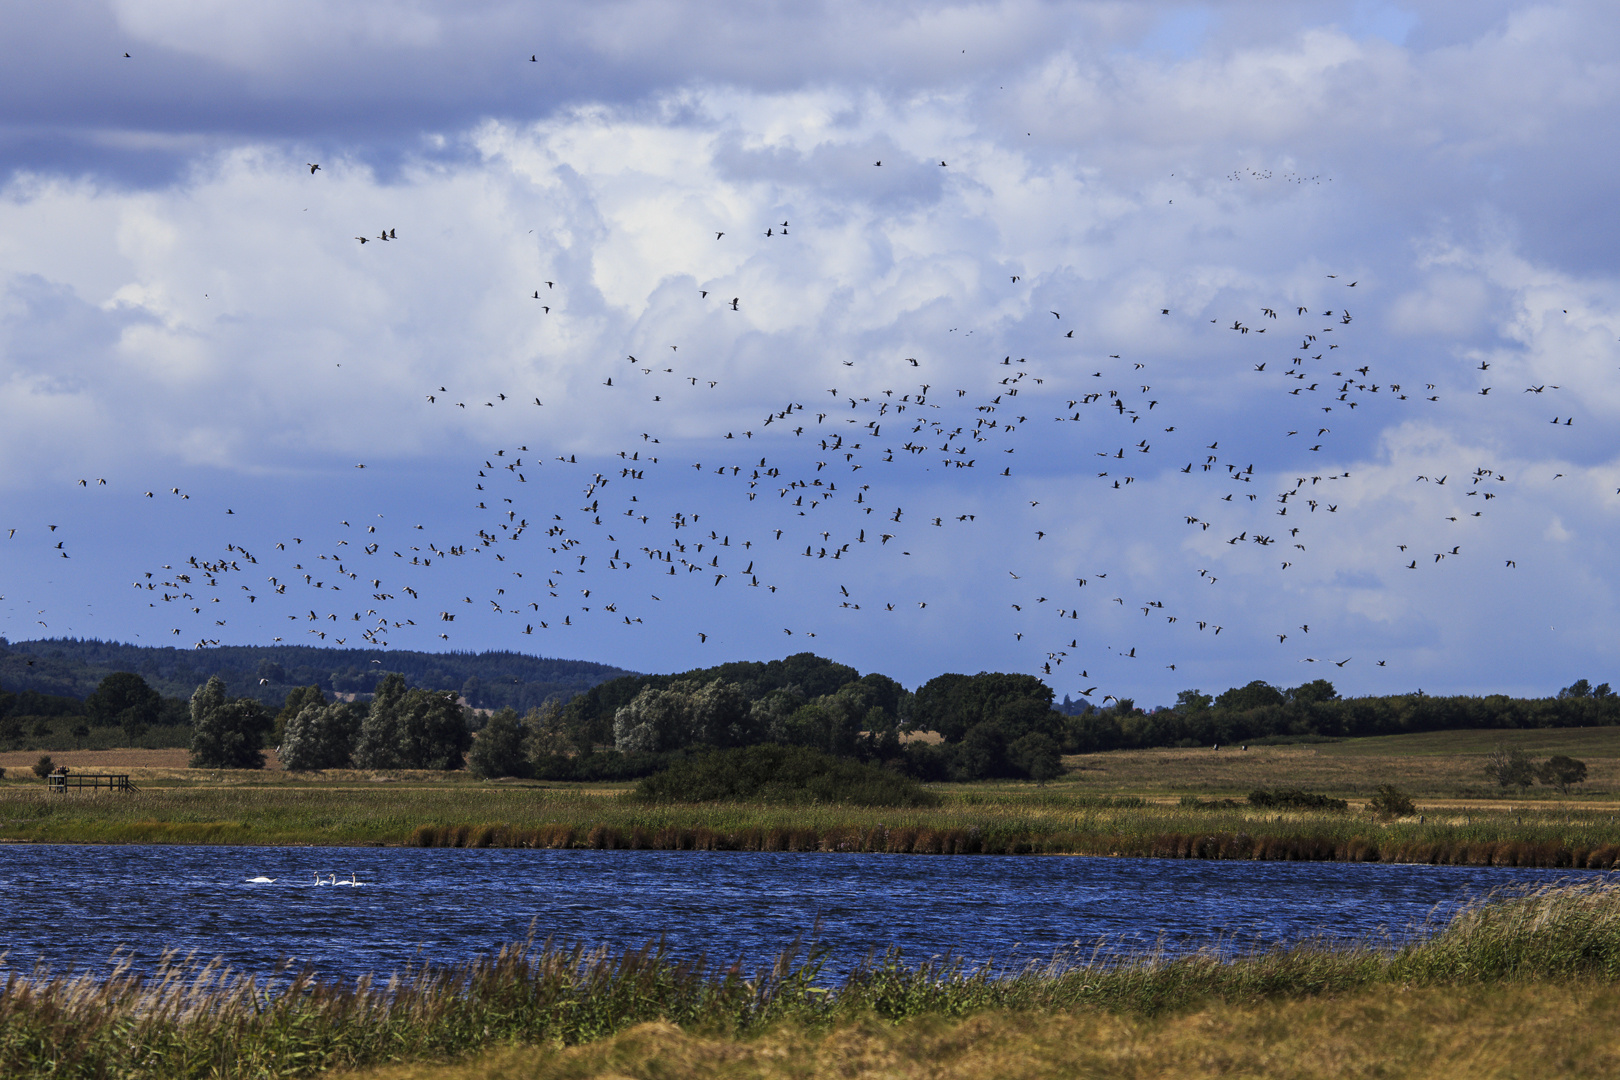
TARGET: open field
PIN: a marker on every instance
(1429, 765)
(1519, 986)
(1121, 803)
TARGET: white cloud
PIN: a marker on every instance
(228, 332)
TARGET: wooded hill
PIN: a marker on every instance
(71, 668)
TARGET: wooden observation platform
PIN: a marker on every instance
(64, 781)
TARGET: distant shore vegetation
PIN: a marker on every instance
(953, 728)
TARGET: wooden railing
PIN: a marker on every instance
(62, 781)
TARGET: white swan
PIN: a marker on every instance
(354, 879)
(261, 880)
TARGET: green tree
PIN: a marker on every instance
(656, 719)
(1192, 702)
(953, 704)
(412, 729)
(548, 734)
(1510, 768)
(320, 736)
(226, 733)
(298, 699)
(499, 748)
(378, 745)
(1256, 695)
(124, 698)
(720, 716)
(1561, 771)
(1580, 688)
(1312, 692)
(1037, 755)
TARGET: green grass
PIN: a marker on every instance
(55, 733)
(1121, 803)
(191, 1020)
(982, 819)
(1596, 742)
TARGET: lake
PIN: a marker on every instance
(70, 906)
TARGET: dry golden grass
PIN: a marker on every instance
(1518, 1030)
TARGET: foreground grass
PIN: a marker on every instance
(1520, 1031)
(1543, 963)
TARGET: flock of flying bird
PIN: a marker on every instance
(805, 491)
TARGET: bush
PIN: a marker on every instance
(781, 774)
(1294, 799)
(1561, 771)
(609, 765)
(1510, 768)
(43, 766)
(1391, 801)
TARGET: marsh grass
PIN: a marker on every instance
(193, 1019)
(975, 820)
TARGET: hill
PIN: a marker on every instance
(69, 667)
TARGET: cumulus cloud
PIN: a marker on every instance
(1267, 306)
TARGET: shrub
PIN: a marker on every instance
(1510, 768)
(1391, 801)
(781, 774)
(43, 766)
(1294, 799)
(1561, 771)
(1036, 754)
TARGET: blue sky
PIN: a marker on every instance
(1196, 223)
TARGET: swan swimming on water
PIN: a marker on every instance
(260, 880)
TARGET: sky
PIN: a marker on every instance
(1141, 347)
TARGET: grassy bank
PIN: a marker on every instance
(1481, 1033)
(1561, 943)
(976, 820)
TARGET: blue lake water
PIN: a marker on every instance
(69, 907)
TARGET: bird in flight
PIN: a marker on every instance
(313, 167)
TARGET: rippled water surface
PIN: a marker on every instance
(71, 906)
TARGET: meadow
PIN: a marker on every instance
(1519, 984)
(1167, 803)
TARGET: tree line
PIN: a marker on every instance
(1314, 709)
(953, 727)
(71, 667)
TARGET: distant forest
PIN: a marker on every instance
(66, 667)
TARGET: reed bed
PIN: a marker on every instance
(975, 820)
(191, 1019)
(1551, 853)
